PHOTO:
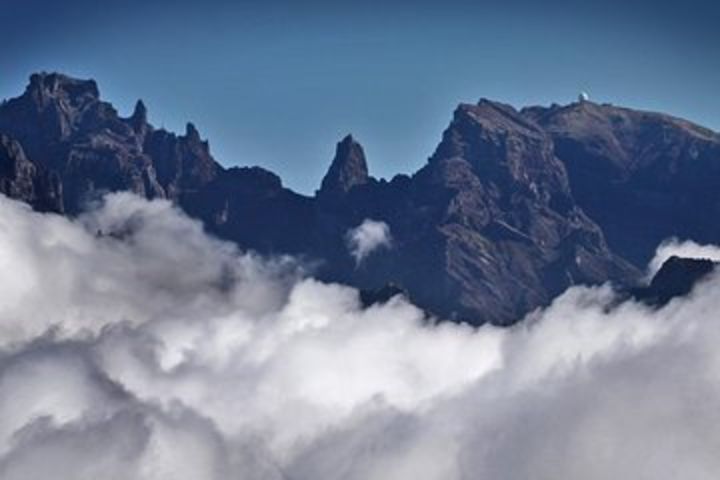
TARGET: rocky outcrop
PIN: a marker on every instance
(510, 235)
(676, 278)
(22, 179)
(641, 176)
(182, 164)
(347, 170)
(66, 129)
(250, 206)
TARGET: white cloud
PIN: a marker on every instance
(368, 237)
(154, 352)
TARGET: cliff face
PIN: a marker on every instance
(512, 208)
(641, 176)
(23, 179)
(347, 170)
(513, 235)
(64, 128)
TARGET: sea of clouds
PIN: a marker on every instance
(135, 346)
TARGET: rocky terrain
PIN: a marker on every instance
(643, 177)
(512, 208)
(676, 278)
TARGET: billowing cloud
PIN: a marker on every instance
(133, 346)
(368, 237)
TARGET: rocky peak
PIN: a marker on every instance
(65, 128)
(44, 86)
(348, 168)
(508, 152)
(615, 127)
(197, 146)
(676, 278)
(182, 163)
(475, 127)
(51, 110)
(139, 117)
(191, 133)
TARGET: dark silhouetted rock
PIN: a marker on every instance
(139, 119)
(348, 169)
(676, 278)
(23, 180)
(251, 207)
(182, 164)
(66, 129)
(381, 295)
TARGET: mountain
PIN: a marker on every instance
(512, 208)
(643, 177)
(21, 178)
(65, 129)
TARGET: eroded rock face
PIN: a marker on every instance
(250, 206)
(511, 209)
(641, 176)
(22, 179)
(66, 129)
(513, 236)
(486, 231)
(182, 164)
(347, 170)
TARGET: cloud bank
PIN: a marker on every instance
(366, 238)
(134, 346)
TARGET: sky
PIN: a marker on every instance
(278, 83)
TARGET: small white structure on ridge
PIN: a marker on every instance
(583, 97)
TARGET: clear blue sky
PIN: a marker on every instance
(277, 84)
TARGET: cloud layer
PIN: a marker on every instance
(133, 346)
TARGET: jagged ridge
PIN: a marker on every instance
(500, 220)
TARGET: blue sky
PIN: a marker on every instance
(277, 84)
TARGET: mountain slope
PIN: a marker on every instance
(641, 176)
(64, 128)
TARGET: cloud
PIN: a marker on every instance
(368, 237)
(134, 346)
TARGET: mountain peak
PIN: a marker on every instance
(56, 85)
(348, 168)
(140, 111)
(191, 132)
(138, 119)
(479, 134)
(491, 116)
(52, 108)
